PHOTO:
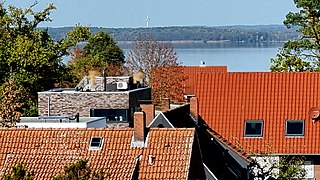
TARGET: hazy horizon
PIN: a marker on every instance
(237, 25)
(165, 13)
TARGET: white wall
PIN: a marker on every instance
(271, 161)
(266, 164)
(53, 125)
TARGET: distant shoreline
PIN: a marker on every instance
(199, 44)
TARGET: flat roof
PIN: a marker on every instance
(58, 119)
(72, 90)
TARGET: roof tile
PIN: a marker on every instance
(226, 100)
(47, 151)
(191, 72)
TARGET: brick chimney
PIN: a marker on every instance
(139, 127)
(194, 108)
(165, 104)
(149, 109)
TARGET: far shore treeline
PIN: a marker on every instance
(194, 34)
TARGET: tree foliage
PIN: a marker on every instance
(239, 34)
(283, 168)
(147, 54)
(79, 171)
(28, 54)
(167, 82)
(302, 54)
(100, 53)
(19, 173)
(159, 64)
(11, 101)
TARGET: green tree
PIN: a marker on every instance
(100, 53)
(302, 54)
(19, 173)
(283, 167)
(28, 54)
(79, 171)
(103, 47)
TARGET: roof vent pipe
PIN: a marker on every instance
(151, 160)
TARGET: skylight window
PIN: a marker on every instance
(295, 128)
(96, 143)
(253, 128)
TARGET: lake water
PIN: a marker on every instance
(241, 58)
(237, 59)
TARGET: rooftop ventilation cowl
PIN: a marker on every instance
(314, 113)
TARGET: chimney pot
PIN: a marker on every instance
(165, 106)
(139, 126)
(194, 107)
(149, 109)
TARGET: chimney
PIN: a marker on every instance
(149, 109)
(139, 127)
(165, 104)
(194, 106)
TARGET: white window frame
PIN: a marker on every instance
(96, 147)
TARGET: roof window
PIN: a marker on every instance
(96, 143)
(295, 128)
(253, 128)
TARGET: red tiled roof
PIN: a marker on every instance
(47, 151)
(171, 150)
(226, 100)
(191, 71)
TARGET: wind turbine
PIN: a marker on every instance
(147, 20)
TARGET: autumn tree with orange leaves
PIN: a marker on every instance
(167, 82)
(159, 63)
(10, 103)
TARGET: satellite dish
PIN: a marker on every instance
(314, 113)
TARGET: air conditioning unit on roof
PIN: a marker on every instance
(122, 85)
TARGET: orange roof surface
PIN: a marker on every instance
(47, 151)
(226, 100)
(191, 72)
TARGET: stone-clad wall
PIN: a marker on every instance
(71, 103)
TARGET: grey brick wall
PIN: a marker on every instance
(71, 103)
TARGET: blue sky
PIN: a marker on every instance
(132, 13)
